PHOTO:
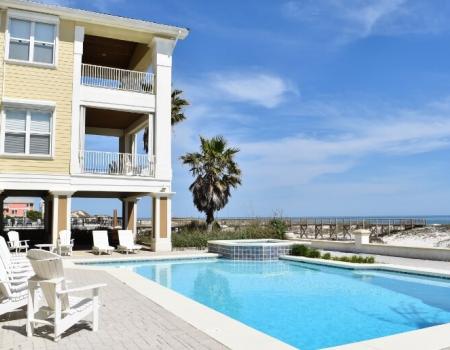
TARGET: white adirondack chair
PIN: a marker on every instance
(15, 243)
(62, 311)
(13, 264)
(101, 242)
(64, 243)
(13, 293)
(126, 242)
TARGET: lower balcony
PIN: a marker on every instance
(120, 164)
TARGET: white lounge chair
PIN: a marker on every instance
(13, 294)
(13, 264)
(126, 242)
(15, 243)
(64, 244)
(62, 311)
(101, 242)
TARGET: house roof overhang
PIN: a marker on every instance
(104, 19)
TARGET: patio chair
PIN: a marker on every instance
(101, 242)
(12, 263)
(13, 293)
(62, 311)
(64, 243)
(15, 243)
(126, 242)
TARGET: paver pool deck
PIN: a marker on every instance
(128, 319)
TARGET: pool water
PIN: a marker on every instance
(308, 306)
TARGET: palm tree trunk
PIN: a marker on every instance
(209, 220)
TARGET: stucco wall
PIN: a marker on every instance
(381, 249)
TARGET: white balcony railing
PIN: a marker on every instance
(110, 163)
(118, 79)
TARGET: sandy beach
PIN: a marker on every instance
(430, 236)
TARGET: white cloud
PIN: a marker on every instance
(343, 21)
(257, 88)
(100, 5)
(59, 2)
(262, 89)
(368, 14)
(299, 159)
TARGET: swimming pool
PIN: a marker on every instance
(305, 305)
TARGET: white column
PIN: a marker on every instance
(162, 68)
(2, 203)
(82, 128)
(150, 143)
(55, 219)
(69, 212)
(77, 60)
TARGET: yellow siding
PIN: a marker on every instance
(35, 83)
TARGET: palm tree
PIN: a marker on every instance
(215, 173)
(177, 115)
(178, 104)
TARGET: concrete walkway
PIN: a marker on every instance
(128, 320)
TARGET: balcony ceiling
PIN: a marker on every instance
(106, 118)
(108, 52)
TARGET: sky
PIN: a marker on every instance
(339, 107)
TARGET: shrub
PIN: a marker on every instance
(198, 237)
(313, 253)
(299, 250)
(355, 259)
(370, 260)
(326, 256)
(279, 226)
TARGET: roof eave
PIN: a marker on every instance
(99, 18)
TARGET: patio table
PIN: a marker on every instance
(49, 246)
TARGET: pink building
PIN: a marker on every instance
(17, 207)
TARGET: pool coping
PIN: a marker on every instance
(235, 334)
(252, 242)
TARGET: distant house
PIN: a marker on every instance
(17, 207)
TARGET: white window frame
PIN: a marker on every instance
(32, 17)
(28, 106)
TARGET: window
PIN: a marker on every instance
(31, 41)
(27, 131)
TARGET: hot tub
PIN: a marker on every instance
(250, 249)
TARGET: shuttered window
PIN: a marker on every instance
(32, 41)
(27, 132)
(40, 132)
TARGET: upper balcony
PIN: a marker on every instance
(116, 79)
(111, 143)
(115, 74)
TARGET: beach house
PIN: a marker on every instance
(17, 207)
(68, 74)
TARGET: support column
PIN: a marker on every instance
(2, 218)
(161, 222)
(77, 122)
(162, 68)
(61, 211)
(48, 214)
(129, 215)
